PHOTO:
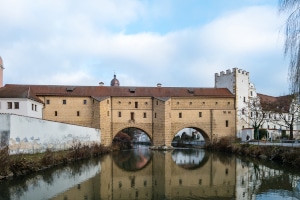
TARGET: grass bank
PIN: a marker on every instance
(285, 155)
(21, 164)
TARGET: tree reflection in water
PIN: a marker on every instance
(132, 160)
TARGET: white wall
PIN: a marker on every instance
(25, 107)
(29, 135)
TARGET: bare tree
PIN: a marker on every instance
(292, 41)
(253, 115)
(284, 111)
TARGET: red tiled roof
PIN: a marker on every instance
(19, 92)
(123, 91)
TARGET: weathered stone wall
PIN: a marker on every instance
(29, 135)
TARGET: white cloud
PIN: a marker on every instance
(80, 45)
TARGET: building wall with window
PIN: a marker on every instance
(73, 110)
(21, 106)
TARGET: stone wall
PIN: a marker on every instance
(30, 135)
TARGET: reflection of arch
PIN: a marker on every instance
(203, 133)
(132, 160)
(190, 158)
(136, 127)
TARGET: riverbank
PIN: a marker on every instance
(22, 164)
(283, 154)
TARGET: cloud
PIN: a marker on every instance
(60, 43)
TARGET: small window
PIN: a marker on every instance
(145, 115)
(244, 99)
(64, 101)
(55, 113)
(32, 106)
(47, 101)
(136, 104)
(226, 123)
(132, 116)
(84, 101)
(78, 113)
(228, 103)
(191, 103)
(35, 107)
(156, 102)
(16, 105)
(180, 115)
(119, 114)
(107, 101)
(216, 103)
(154, 115)
(200, 114)
(224, 112)
(9, 105)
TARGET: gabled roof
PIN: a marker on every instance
(19, 92)
(123, 91)
(277, 104)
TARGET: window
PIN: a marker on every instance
(243, 111)
(216, 103)
(55, 113)
(119, 114)
(64, 101)
(251, 93)
(132, 116)
(200, 114)
(35, 107)
(154, 115)
(47, 101)
(180, 115)
(32, 106)
(244, 99)
(145, 115)
(9, 105)
(84, 101)
(156, 102)
(136, 104)
(16, 105)
(107, 101)
(78, 113)
(191, 103)
(226, 123)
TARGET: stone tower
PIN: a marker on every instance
(1, 72)
(237, 81)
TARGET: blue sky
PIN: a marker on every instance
(173, 42)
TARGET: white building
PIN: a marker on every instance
(238, 82)
(20, 101)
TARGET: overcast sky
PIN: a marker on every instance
(144, 42)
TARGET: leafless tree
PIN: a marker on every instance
(253, 114)
(292, 41)
(284, 111)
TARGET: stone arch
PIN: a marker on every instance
(116, 131)
(202, 131)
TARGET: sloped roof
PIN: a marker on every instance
(123, 91)
(19, 92)
(278, 104)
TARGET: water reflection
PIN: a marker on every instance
(142, 174)
(132, 160)
(189, 158)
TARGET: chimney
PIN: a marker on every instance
(158, 85)
(101, 83)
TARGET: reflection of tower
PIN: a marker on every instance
(1, 72)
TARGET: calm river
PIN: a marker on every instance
(146, 174)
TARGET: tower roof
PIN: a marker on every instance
(1, 62)
(115, 81)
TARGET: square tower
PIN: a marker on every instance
(237, 81)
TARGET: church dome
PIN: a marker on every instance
(115, 81)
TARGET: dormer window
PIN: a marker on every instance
(132, 90)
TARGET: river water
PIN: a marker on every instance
(145, 174)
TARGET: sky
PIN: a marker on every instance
(144, 42)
